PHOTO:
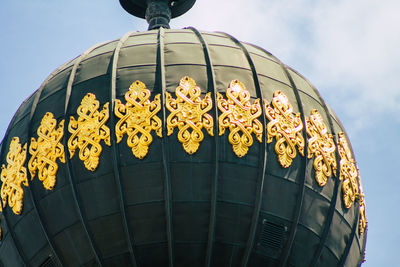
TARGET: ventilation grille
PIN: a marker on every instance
(272, 235)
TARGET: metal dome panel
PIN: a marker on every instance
(149, 192)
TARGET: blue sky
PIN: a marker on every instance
(348, 49)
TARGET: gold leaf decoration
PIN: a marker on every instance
(240, 116)
(322, 147)
(286, 127)
(46, 149)
(13, 176)
(189, 114)
(138, 118)
(88, 130)
(348, 172)
(363, 217)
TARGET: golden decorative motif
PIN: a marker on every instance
(13, 176)
(188, 112)
(348, 172)
(363, 217)
(88, 131)
(322, 147)
(138, 118)
(239, 115)
(46, 150)
(286, 127)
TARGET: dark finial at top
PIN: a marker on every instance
(157, 12)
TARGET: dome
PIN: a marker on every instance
(180, 148)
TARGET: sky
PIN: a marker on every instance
(348, 49)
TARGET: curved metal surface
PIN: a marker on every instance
(351, 239)
(300, 198)
(70, 174)
(211, 74)
(332, 207)
(34, 201)
(114, 147)
(160, 75)
(4, 210)
(362, 259)
(42, 222)
(263, 157)
(214, 189)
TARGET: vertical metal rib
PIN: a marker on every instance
(263, 158)
(160, 76)
(299, 203)
(116, 159)
(332, 207)
(302, 172)
(214, 186)
(70, 175)
(42, 222)
(328, 223)
(352, 237)
(358, 206)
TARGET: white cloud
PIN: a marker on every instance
(349, 49)
(357, 44)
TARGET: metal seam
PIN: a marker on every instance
(73, 72)
(299, 203)
(337, 154)
(164, 143)
(337, 183)
(42, 223)
(350, 242)
(116, 159)
(214, 189)
(332, 207)
(263, 160)
(70, 175)
(285, 254)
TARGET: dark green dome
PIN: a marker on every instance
(211, 166)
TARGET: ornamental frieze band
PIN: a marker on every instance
(140, 115)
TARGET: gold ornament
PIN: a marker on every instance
(348, 172)
(138, 118)
(88, 131)
(285, 127)
(46, 150)
(239, 115)
(322, 147)
(188, 112)
(363, 217)
(13, 176)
